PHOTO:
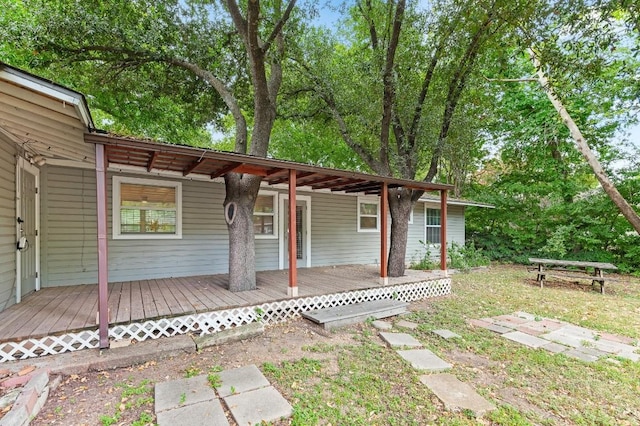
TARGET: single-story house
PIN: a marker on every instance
(69, 193)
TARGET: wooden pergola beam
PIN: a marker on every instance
(224, 170)
(194, 165)
(152, 160)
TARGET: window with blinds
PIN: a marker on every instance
(432, 226)
(368, 215)
(146, 208)
(264, 215)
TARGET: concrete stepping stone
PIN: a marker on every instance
(182, 392)
(407, 324)
(203, 413)
(585, 354)
(424, 359)
(500, 329)
(240, 380)
(447, 334)
(400, 340)
(525, 315)
(526, 339)
(611, 346)
(456, 395)
(382, 325)
(555, 348)
(257, 406)
(509, 320)
(632, 356)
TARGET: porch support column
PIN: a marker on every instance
(103, 273)
(443, 229)
(384, 251)
(292, 290)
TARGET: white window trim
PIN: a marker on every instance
(273, 236)
(117, 180)
(428, 207)
(369, 200)
(411, 216)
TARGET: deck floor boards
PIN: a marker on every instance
(57, 310)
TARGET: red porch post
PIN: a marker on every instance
(443, 229)
(384, 252)
(103, 273)
(292, 290)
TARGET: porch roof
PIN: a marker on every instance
(207, 162)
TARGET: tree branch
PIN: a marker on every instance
(373, 34)
(581, 143)
(456, 86)
(226, 95)
(277, 30)
(238, 20)
(388, 82)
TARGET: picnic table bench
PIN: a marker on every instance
(593, 271)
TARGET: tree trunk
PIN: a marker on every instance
(241, 190)
(608, 186)
(400, 205)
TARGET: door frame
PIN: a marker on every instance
(23, 164)
(282, 243)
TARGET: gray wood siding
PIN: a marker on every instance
(69, 226)
(7, 222)
(416, 234)
(52, 126)
(335, 239)
(455, 224)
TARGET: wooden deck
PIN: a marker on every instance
(60, 310)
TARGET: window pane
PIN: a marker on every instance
(368, 223)
(433, 217)
(147, 196)
(370, 209)
(129, 221)
(263, 225)
(134, 221)
(264, 204)
(433, 235)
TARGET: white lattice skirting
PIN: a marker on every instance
(215, 321)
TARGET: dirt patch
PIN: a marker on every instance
(109, 397)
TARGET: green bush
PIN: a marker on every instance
(465, 257)
(422, 260)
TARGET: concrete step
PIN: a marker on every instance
(357, 312)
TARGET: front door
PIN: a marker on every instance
(27, 228)
(302, 232)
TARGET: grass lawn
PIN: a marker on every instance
(364, 382)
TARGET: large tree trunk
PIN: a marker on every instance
(581, 143)
(241, 190)
(400, 205)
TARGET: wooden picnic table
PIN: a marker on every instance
(593, 271)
